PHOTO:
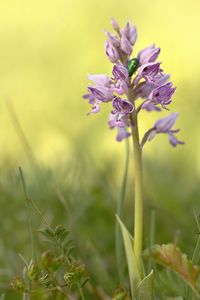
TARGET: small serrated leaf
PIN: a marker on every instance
(47, 232)
(63, 234)
(61, 231)
(58, 229)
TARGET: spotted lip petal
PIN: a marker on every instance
(120, 121)
(116, 119)
(95, 107)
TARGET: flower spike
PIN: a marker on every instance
(140, 76)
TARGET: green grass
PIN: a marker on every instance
(82, 197)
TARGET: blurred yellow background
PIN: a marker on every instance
(48, 47)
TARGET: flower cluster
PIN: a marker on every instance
(138, 77)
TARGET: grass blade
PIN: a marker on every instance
(120, 206)
(145, 288)
(134, 275)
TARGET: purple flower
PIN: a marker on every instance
(122, 105)
(130, 32)
(113, 39)
(100, 79)
(148, 71)
(95, 103)
(111, 52)
(101, 93)
(144, 89)
(139, 76)
(162, 94)
(119, 117)
(120, 87)
(120, 72)
(91, 99)
(160, 79)
(95, 107)
(148, 54)
(122, 134)
(149, 106)
(120, 121)
(165, 125)
(126, 46)
(121, 83)
(116, 47)
(115, 25)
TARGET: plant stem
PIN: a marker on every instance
(81, 292)
(138, 220)
(137, 153)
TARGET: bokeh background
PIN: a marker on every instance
(47, 49)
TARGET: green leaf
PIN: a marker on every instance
(61, 232)
(145, 288)
(170, 256)
(134, 275)
(48, 233)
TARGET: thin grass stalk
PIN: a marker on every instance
(151, 237)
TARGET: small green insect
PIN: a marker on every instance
(132, 66)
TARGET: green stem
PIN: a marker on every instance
(138, 220)
(120, 206)
(81, 292)
(137, 153)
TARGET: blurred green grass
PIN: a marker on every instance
(82, 197)
(47, 48)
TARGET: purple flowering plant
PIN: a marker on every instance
(132, 79)
(137, 83)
